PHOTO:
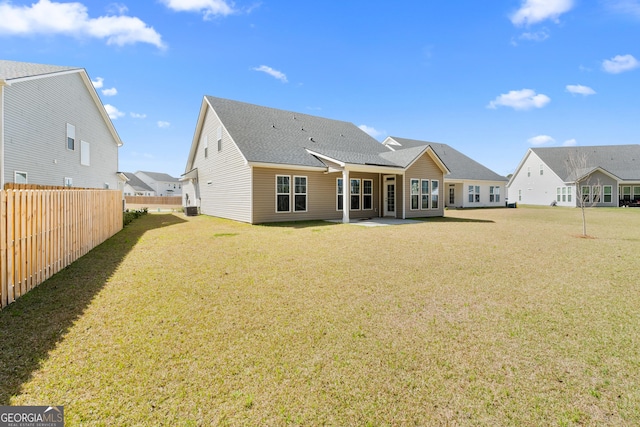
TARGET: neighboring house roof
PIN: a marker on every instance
(13, 72)
(272, 136)
(159, 176)
(461, 166)
(622, 161)
(136, 183)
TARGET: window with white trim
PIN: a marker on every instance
(219, 137)
(564, 194)
(528, 171)
(415, 194)
(68, 182)
(474, 194)
(596, 193)
(71, 137)
(541, 170)
(586, 197)
(205, 143)
(339, 193)
(568, 194)
(607, 194)
(558, 194)
(85, 153)
(355, 195)
(435, 194)
(494, 194)
(20, 177)
(300, 193)
(367, 194)
(519, 195)
(425, 194)
(283, 193)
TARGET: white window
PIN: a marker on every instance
(607, 193)
(71, 137)
(85, 153)
(68, 182)
(564, 194)
(569, 194)
(541, 170)
(596, 193)
(300, 193)
(528, 171)
(339, 192)
(106, 186)
(558, 194)
(425, 194)
(206, 146)
(519, 195)
(219, 137)
(586, 198)
(283, 193)
(355, 195)
(20, 177)
(367, 194)
(415, 194)
(494, 194)
(435, 194)
(474, 194)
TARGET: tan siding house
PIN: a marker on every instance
(258, 164)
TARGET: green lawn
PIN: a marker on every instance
(485, 317)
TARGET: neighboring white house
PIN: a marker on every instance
(136, 187)
(607, 175)
(162, 183)
(470, 184)
(54, 129)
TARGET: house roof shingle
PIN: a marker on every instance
(136, 183)
(461, 166)
(10, 70)
(269, 135)
(622, 161)
(159, 176)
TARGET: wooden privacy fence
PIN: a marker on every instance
(153, 200)
(43, 231)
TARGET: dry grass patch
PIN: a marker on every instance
(486, 317)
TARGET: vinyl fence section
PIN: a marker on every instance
(43, 231)
(153, 200)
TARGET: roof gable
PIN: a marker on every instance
(459, 165)
(159, 176)
(136, 182)
(622, 161)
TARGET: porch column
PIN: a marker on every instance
(346, 196)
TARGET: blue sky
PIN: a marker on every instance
(489, 78)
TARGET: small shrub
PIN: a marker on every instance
(130, 215)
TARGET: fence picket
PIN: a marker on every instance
(43, 230)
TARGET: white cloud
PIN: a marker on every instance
(113, 112)
(620, 64)
(570, 143)
(207, 7)
(540, 140)
(625, 7)
(162, 124)
(580, 90)
(534, 11)
(524, 99)
(537, 36)
(372, 131)
(138, 116)
(72, 19)
(273, 73)
(110, 92)
(98, 82)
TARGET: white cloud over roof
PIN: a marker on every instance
(273, 73)
(580, 90)
(524, 99)
(620, 64)
(540, 140)
(534, 11)
(72, 19)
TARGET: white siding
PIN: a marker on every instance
(36, 116)
(224, 180)
(535, 189)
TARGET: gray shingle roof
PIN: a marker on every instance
(622, 161)
(461, 166)
(269, 135)
(14, 70)
(136, 183)
(159, 176)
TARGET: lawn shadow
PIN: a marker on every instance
(450, 219)
(297, 224)
(33, 325)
